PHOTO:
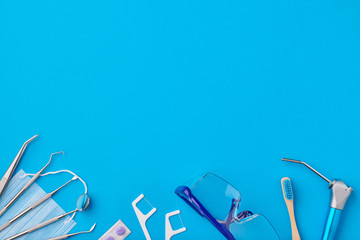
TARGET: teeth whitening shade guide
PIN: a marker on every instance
(72, 234)
(289, 200)
(168, 228)
(82, 204)
(340, 194)
(142, 217)
(8, 174)
(27, 185)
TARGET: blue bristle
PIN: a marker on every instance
(288, 189)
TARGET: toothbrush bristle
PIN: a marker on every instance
(288, 192)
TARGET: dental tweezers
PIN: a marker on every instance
(8, 174)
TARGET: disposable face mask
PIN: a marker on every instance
(43, 212)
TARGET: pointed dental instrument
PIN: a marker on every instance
(8, 174)
(72, 234)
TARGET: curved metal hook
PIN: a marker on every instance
(51, 156)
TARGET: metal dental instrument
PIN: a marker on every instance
(27, 185)
(340, 194)
(82, 204)
(34, 205)
(72, 234)
(312, 169)
(8, 174)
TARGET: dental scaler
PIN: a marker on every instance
(340, 194)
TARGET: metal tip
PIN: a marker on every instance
(57, 153)
(51, 156)
(92, 228)
(307, 165)
(31, 138)
(290, 160)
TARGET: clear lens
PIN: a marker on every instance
(255, 227)
(219, 197)
(222, 201)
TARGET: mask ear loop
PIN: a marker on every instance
(62, 171)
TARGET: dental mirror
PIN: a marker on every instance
(83, 202)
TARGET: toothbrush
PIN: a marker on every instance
(289, 200)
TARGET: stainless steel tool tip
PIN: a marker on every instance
(307, 165)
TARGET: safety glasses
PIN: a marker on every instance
(219, 202)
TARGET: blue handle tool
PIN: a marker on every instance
(340, 194)
(332, 224)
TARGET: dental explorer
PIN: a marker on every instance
(72, 234)
(34, 205)
(27, 185)
(340, 194)
(82, 204)
(8, 174)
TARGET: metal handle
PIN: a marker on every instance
(32, 229)
(41, 225)
(59, 238)
(27, 185)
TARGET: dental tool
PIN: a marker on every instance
(34, 205)
(142, 217)
(72, 234)
(27, 185)
(8, 174)
(289, 200)
(82, 204)
(340, 194)
(169, 232)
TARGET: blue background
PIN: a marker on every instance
(142, 96)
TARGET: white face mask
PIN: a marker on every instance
(43, 212)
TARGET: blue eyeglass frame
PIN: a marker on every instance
(185, 194)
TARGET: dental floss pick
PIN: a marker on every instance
(169, 232)
(141, 217)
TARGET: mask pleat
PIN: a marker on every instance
(45, 211)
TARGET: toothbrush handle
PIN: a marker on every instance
(332, 224)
